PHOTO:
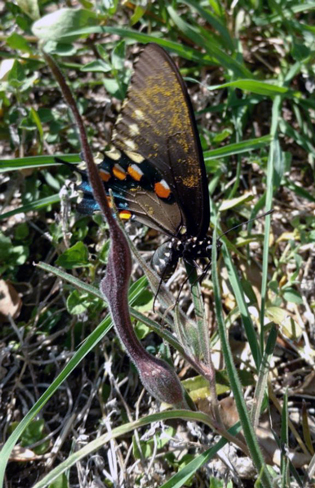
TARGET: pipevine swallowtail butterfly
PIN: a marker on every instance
(155, 166)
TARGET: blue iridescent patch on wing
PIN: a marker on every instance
(88, 205)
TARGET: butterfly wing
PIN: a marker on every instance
(155, 166)
(157, 130)
(132, 199)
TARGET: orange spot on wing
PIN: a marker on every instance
(105, 175)
(125, 215)
(119, 172)
(136, 175)
(161, 190)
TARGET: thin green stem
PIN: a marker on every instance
(274, 149)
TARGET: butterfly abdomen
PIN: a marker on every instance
(165, 259)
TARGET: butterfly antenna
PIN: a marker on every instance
(247, 222)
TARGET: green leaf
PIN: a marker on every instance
(237, 148)
(53, 26)
(33, 433)
(145, 448)
(5, 246)
(111, 6)
(10, 255)
(221, 136)
(118, 56)
(30, 7)
(60, 48)
(198, 387)
(21, 231)
(287, 325)
(18, 255)
(253, 86)
(74, 257)
(97, 66)
(292, 295)
(142, 330)
(16, 41)
(60, 482)
(217, 483)
(234, 202)
(300, 51)
(78, 302)
(112, 87)
(138, 14)
(16, 76)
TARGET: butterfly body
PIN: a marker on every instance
(166, 257)
(154, 166)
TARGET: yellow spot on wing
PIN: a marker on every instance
(134, 129)
(135, 157)
(139, 114)
(130, 144)
(113, 153)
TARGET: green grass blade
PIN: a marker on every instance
(92, 340)
(191, 32)
(286, 13)
(261, 384)
(301, 192)
(284, 442)
(35, 162)
(214, 21)
(86, 347)
(237, 148)
(257, 87)
(218, 56)
(240, 299)
(117, 432)
(180, 478)
(274, 153)
(36, 205)
(236, 387)
(183, 51)
(301, 140)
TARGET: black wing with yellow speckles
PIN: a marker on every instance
(157, 124)
(155, 166)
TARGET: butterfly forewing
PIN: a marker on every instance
(157, 128)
